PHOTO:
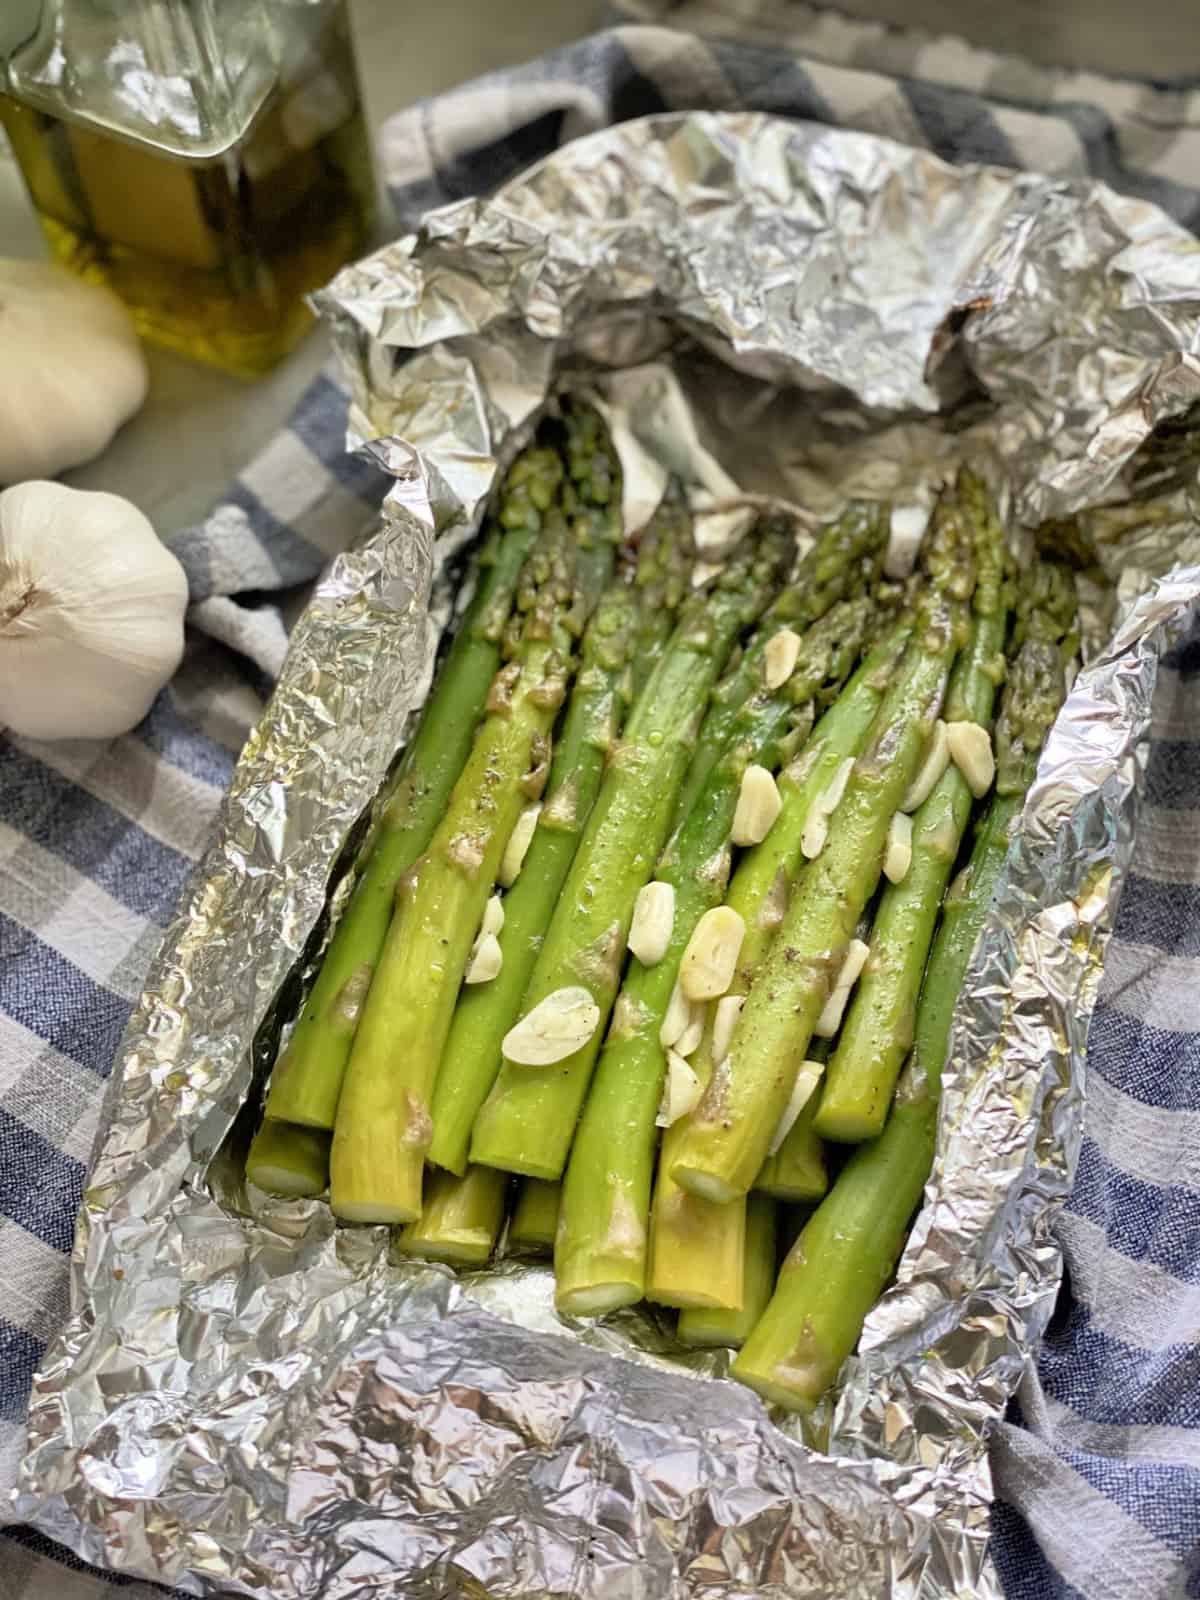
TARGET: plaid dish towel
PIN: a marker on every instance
(1098, 1471)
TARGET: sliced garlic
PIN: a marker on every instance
(759, 803)
(933, 763)
(486, 960)
(681, 1091)
(897, 852)
(780, 657)
(971, 752)
(807, 1079)
(688, 1041)
(493, 916)
(518, 844)
(653, 919)
(816, 831)
(677, 1017)
(855, 960)
(556, 1027)
(816, 824)
(729, 1009)
(711, 957)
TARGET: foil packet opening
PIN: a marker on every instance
(248, 1399)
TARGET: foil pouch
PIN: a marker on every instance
(248, 1400)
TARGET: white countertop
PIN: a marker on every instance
(198, 426)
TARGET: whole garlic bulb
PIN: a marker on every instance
(91, 612)
(73, 370)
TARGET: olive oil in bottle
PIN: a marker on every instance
(213, 253)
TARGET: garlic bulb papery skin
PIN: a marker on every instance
(91, 613)
(72, 370)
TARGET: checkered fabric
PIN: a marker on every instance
(1098, 1471)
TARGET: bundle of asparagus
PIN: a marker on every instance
(627, 879)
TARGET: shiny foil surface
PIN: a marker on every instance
(249, 1400)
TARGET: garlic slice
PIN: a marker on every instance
(518, 844)
(855, 960)
(816, 824)
(780, 657)
(688, 1041)
(556, 1027)
(759, 803)
(682, 1090)
(933, 763)
(677, 1017)
(493, 916)
(729, 1009)
(971, 752)
(897, 852)
(653, 920)
(711, 957)
(486, 960)
(807, 1079)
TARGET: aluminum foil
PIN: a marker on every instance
(248, 1399)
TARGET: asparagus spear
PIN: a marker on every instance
(849, 1247)
(460, 1219)
(664, 563)
(797, 1171)
(878, 1032)
(702, 1326)
(485, 1012)
(308, 1075)
(527, 1123)
(600, 1256)
(842, 562)
(383, 1122)
(726, 1138)
(289, 1160)
(695, 1256)
(534, 1218)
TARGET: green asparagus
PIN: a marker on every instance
(600, 1257)
(797, 1172)
(843, 562)
(308, 1076)
(726, 1139)
(848, 1249)
(702, 1326)
(460, 1219)
(695, 1256)
(878, 1032)
(664, 567)
(535, 1217)
(528, 1121)
(486, 1011)
(383, 1122)
(289, 1160)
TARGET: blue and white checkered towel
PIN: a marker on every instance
(1098, 1474)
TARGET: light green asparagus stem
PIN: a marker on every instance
(701, 1326)
(848, 1249)
(383, 1122)
(485, 1012)
(695, 1256)
(308, 1076)
(725, 1139)
(797, 1171)
(460, 1219)
(665, 553)
(535, 1218)
(843, 562)
(528, 1121)
(878, 1032)
(289, 1160)
(600, 1256)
